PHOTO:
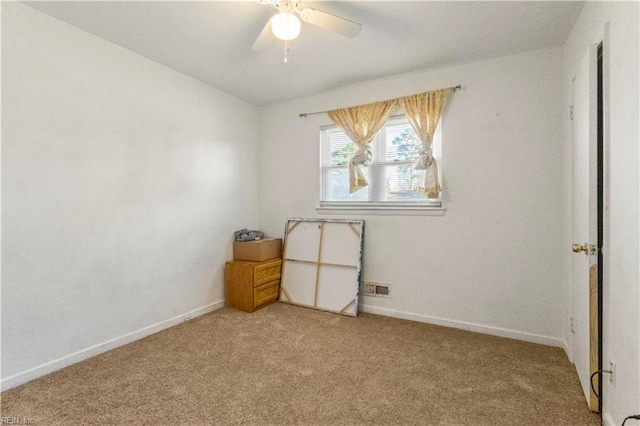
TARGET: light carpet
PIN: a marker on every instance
(291, 365)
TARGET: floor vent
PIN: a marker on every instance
(376, 289)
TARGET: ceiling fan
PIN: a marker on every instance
(285, 25)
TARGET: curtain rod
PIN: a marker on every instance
(306, 114)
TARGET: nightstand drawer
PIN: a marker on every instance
(266, 293)
(267, 272)
(252, 285)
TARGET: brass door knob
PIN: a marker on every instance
(577, 248)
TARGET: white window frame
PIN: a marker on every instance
(407, 207)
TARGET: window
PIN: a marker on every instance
(393, 181)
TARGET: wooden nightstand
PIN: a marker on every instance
(252, 285)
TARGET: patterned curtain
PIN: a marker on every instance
(423, 112)
(360, 124)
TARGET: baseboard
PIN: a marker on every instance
(494, 331)
(606, 420)
(568, 350)
(50, 367)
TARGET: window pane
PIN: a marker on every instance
(392, 177)
(401, 183)
(339, 186)
(401, 143)
(342, 149)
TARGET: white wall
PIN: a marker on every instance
(621, 343)
(493, 262)
(118, 213)
(123, 182)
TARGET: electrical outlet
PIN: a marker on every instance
(612, 375)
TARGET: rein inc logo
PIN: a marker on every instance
(7, 420)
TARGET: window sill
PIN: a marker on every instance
(381, 210)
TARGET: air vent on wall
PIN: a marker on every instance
(376, 289)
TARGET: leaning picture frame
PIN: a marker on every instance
(322, 264)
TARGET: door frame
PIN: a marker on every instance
(604, 144)
(598, 180)
(597, 365)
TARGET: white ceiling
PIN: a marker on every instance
(211, 41)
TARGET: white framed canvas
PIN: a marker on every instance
(322, 264)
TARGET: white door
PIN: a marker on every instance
(585, 231)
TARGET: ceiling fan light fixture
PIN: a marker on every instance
(285, 26)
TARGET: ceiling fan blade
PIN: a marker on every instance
(331, 22)
(265, 38)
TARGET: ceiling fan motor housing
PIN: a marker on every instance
(285, 25)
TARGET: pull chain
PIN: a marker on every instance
(286, 50)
